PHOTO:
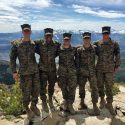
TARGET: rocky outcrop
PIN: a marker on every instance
(84, 117)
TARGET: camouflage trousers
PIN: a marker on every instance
(105, 83)
(93, 85)
(30, 86)
(47, 80)
(68, 84)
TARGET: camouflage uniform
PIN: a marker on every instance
(47, 66)
(28, 70)
(108, 58)
(67, 73)
(86, 71)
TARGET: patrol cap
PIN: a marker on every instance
(106, 29)
(86, 35)
(67, 35)
(26, 27)
(48, 31)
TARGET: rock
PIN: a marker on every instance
(52, 119)
(97, 121)
(122, 89)
(2, 117)
(17, 120)
(118, 121)
(27, 122)
(44, 115)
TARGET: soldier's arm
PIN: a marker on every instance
(13, 57)
(58, 49)
(96, 48)
(117, 55)
(77, 58)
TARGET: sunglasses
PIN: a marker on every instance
(87, 38)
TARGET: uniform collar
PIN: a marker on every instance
(30, 41)
(51, 43)
(87, 48)
(62, 47)
(108, 42)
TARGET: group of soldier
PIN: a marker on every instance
(93, 62)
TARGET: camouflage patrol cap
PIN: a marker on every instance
(26, 27)
(67, 35)
(86, 35)
(106, 29)
(48, 31)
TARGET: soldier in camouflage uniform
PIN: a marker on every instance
(24, 50)
(85, 61)
(108, 62)
(67, 73)
(47, 49)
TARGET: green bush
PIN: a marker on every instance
(11, 100)
(115, 89)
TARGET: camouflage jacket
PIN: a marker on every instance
(67, 63)
(25, 52)
(108, 55)
(48, 53)
(85, 60)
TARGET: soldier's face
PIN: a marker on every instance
(86, 40)
(48, 38)
(106, 36)
(66, 42)
(26, 33)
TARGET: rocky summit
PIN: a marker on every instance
(83, 117)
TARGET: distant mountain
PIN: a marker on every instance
(5, 39)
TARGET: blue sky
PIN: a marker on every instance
(62, 14)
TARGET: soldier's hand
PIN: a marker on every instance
(15, 76)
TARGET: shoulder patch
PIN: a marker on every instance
(61, 47)
(40, 41)
(56, 42)
(80, 49)
(94, 46)
(16, 42)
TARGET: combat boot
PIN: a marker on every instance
(30, 113)
(71, 109)
(82, 105)
(96, 109)
(51, 103)
(45, 106)
(110, 108)
(102, 103)
(35, 109)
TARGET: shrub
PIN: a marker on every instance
(115, 89)
(11, 100)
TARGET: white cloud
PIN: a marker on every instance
(11, 8)
(21, 3)
(103, 2)
(97, 12)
